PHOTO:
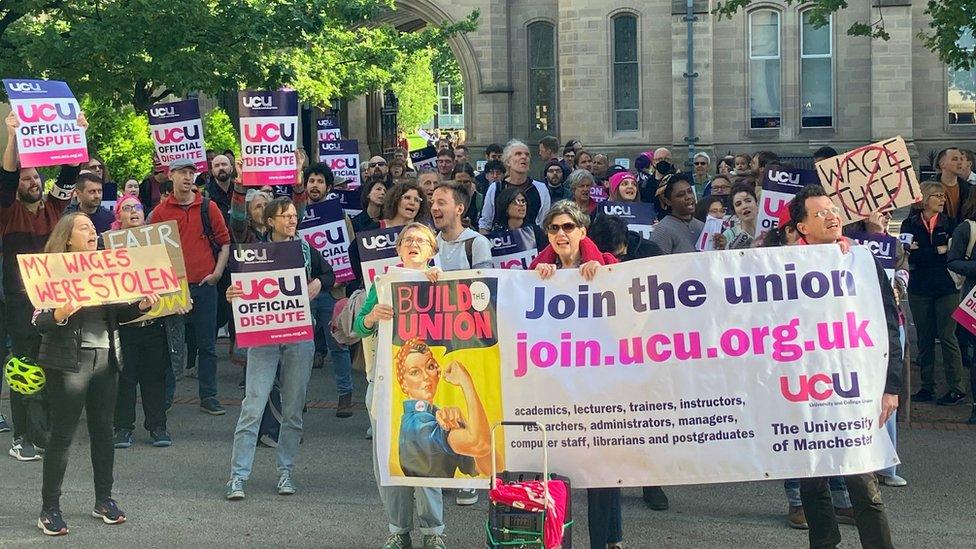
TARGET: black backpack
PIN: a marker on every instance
(208, 232)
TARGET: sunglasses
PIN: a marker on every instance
(376, 165)
(132, 208)
(566, 228)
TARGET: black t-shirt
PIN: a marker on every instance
(531, 192)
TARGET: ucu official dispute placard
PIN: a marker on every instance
(274, 308)
(324, 228)
(177, 132)
(269, 135)
(48, 133)
(684, 369)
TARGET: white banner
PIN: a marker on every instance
(686, 369)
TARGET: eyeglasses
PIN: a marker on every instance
(834, 211)
(941, 196)
(376, 165)
(95, 167)
(288, 216)
(132, 208)
(411, 240)
(566, 228)
(520, 202)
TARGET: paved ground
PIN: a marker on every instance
(174, 496)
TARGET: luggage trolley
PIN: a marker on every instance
(509, 527)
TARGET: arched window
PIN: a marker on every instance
(542, 79)
(816, 73)
(626, 71)
(765, 108)
(961, 99)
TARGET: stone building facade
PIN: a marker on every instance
(767, 79)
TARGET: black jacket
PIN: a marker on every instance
(893, 378)
(957, 261)
(61, 344)
(639, 248)
(929, 275)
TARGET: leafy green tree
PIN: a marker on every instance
(137, 52)
(951, 20)
(447, 70)
(219, 133)
(120, 136)
(416, 92)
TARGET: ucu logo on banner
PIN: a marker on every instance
(785, 178)
(162, 112)
(343, 163)
(48, 112)
(330, 146)
(881, 250)
(501, 241)
(175, 135)
(245, 256)
(269, 132)
(819, 387)
(378, 242)
(258, 102)
(320, 239)
(268, 288)
(617, 210)
(25, 87)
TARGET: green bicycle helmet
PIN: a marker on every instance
(24, 376)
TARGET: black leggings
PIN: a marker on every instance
(93, 389)
(145, 357)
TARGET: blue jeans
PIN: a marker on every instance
(202, 321)
(322, 307)
(262, 366)
(891, 426)
(399, 501)
(838, 492)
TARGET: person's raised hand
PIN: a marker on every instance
(82, 121)
(63, 312)
(233, 292)
(12, 122)
(147, 302)
(545, 270)
(433, 274)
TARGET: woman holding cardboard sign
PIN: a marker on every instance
(81, 355)
(152, 349)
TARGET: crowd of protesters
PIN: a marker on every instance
(95, 364)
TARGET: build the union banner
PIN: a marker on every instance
(685, 369)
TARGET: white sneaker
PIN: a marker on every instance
(894, 481)
(23, 451)
(4, 426)
(467, 496)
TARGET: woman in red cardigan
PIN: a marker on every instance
(569, 248)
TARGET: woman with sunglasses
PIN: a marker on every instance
(151, 349)
(932, 294)
(295, 360)
(511, 207)
(569, 248)
(416, 245)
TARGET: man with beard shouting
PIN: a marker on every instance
(26, 221)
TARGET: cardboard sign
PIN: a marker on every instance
(779, 187)
(97, 278)
(640, 216)
(324, 227)
(512, 249)
(177, 132)
(713, 226)
(875, 177)
(275, 307)
(424, 158)
(269, 134)
(48, 133)
(165, 234)
(342, 157)
(348, 200)
(327, 128)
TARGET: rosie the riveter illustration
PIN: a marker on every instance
(438, 442)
